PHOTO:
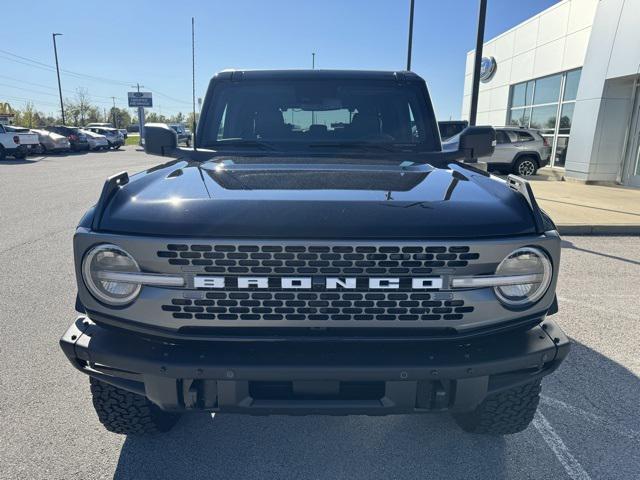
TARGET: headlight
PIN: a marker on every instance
(531, 263)
(97, 265)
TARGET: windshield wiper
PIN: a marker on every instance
(239, 142)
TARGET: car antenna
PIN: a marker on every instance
(193, 79)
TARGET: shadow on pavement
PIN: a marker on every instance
(591, 403)
(20, 161)
(33, 159)
(568, 244)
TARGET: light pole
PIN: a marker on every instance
(55, 52)
(473, 111)
(313, 67)
(115, 123)
(410, 35)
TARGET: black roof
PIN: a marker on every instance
(318, 74)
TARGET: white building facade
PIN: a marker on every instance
(572, 72)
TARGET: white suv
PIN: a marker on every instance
(518, 150)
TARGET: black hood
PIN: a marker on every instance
(279, 198)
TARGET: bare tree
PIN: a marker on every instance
(83, 103)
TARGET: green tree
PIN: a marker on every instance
(178, 118)
(190, 120)
(27, 115)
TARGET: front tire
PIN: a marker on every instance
(525, 166)
(126, 413)
(504, 413)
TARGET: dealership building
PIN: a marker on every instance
(573, 73)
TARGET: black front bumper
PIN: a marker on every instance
(333, 377)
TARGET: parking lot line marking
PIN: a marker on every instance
(560, 450)
(592, 417)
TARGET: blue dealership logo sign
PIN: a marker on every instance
(487, 68)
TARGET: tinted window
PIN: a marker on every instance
(502, 137)
(571, 85)
(522, 94)
(566, 117)
(298, 112)
(518, 95)
(547, 90)
(450, 129)
(523, 136)
(519, 117)
(544, 118)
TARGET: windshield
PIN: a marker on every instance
(309, 113)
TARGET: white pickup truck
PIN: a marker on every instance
(28, 139)
(17, 141)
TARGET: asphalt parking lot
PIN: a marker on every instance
(588, 424)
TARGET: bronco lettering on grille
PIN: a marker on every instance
(324, 283)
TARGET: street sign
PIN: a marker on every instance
(140, 99)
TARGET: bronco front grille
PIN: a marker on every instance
(320, 259)
(331, 306)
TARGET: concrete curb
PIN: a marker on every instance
(599, 229)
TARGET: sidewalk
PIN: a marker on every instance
(579, 209)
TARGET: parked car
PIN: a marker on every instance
(52, 142)
(114, 137)
(518, 150)
(184, 136)
(77, 139)
(449, 128)
(107, 125)
(96, 140)
(27, 138)
(349, 268)
(10, 144)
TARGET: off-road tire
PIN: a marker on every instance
(525, 166)
(503, 413)
(127, 413)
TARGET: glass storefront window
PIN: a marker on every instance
(544, 118)
(566, 117)
(519, 117)
(518, 95)
(547, 90)
(535, 104)
(561, 151)
(571, 85)
(522, 94)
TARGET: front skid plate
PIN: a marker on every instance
(178, 375)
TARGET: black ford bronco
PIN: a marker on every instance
(316, 252)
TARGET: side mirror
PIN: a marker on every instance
(160, 139)
(476, 142)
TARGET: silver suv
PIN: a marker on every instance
(518, 150)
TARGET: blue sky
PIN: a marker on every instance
(121, 42)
